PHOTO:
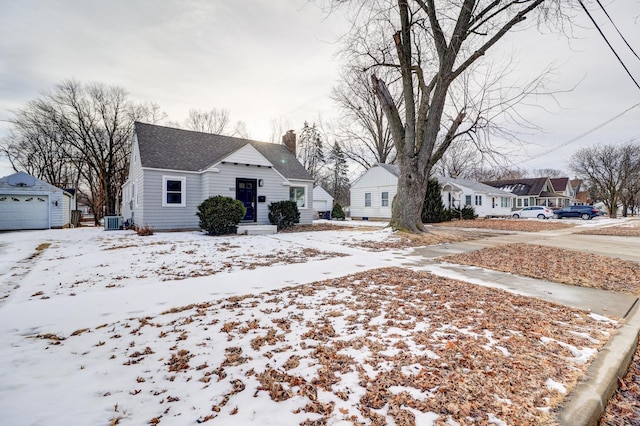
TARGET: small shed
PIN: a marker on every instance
(30, 203)
(322, 201)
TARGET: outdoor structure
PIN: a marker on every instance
(322, 202)
(173, 170)
(535, 192)
(30, 203)
(486, 200)
(373, 192)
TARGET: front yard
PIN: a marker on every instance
(181, 328)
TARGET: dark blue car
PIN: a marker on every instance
(584, 212)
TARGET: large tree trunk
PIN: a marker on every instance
(407, 204)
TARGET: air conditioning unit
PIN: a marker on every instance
(113, 223)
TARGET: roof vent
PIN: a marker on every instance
(21, 179)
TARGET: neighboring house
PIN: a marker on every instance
(322, 202)
(373, 192)
(486, 200)
(172, 171)
(533, 192)
(30, 203)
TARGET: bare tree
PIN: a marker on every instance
(278, 128)
(550, 173)
(310, 150)
(217, 121)
(79, 133)
(609, 170)
(430, 48)
(363, 128)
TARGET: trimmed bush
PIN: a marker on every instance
(337, 212)
(220, 215)
(284, 214)
(467, 213)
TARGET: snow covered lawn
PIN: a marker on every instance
(304, 328)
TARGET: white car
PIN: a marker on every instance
(540, 212)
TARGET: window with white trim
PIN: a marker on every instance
(299, 195)
(526, 202)
(384, 199)
(504, 202)
(467, 200)
(367, 199)
(519, 202)
(478, 200)
(174, 191)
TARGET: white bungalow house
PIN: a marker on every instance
(30, 203)
(486, 200)
(373, 192)
(173, 170)
(322, 202)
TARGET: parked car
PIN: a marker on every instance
(584, 212)
(541, 212)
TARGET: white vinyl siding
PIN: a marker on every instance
(375, 181)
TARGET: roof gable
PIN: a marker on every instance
(176, 149)
(247, 155)
(474, 186)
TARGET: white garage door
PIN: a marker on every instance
(320, 205)
(24, 212)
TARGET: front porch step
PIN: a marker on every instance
(257, 229)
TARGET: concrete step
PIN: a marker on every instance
(257, 229)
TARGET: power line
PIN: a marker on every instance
(616, 27)
(608, 44)
(577, 138)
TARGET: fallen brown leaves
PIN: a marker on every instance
(624, 406)
(327, 227)
(521, 225)
(400, 240)
(387, 344)
(559, 265)
(615, 231)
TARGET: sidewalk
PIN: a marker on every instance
(588, 400)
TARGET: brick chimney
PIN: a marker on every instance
(289, 139)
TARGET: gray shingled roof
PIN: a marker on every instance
(391, 168)
(176, 149)
(475, 186)
(520, 187)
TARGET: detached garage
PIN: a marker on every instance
(30, 203)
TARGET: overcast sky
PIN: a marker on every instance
(275, 59)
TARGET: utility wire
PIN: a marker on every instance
(609, 44)
(616, 27)
(577, 138)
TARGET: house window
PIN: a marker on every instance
(367, 199)
(384, 199)
(467, 200)
(478, 200)
(519, 202)
(526, 202)
(299, 195)
(504, 202)
(173, 191)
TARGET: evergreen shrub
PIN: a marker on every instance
(284, 214)
(220, 215)
(337, 212)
